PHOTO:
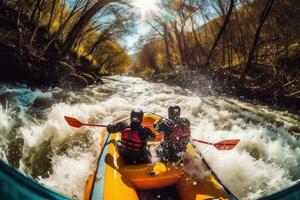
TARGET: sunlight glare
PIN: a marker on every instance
(146, 7)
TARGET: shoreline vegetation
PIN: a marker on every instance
(33, 50)
(242, 49)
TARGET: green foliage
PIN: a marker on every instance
(151, 59)
(112, 58)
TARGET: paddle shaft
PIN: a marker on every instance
(77, 124)
(104, 126)
(203, 142)
(95, 125)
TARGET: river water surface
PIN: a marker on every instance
(35, 139)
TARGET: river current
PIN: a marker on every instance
(35, 139)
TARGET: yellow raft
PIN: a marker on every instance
(114, 180)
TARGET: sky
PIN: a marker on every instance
(131, 42)
(145, 9)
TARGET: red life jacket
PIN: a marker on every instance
(180, 132)
(131, 141)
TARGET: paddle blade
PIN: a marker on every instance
(226, 144)
(73, 122)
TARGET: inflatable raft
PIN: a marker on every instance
(114, 180)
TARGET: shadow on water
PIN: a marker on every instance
(168, 193)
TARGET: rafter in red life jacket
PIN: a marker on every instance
(131, 141)
(180, 131)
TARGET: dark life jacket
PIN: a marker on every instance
(131, 141)
(181, 131)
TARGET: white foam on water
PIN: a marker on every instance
(69, 174)
(6, 124)
(266, 160)
(6, 120)
(259, 165)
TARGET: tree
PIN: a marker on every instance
(51, 14)
(218, 37)
(84, 20)
(264, 15)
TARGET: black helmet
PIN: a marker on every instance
(137, 116)
(174, 112)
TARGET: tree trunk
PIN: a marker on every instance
(264, 15)
(20, 5)
(167, 44)
(152, 61)
(37, 5)
(179, 44)
(2, 3)
(58, 32)
(82, 22)
(61, 17)
(186, 49)
(200, 48)
(225, 23)
(51, 15)
(35, 29)
(105, 35)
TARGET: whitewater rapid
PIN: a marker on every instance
(35, 139)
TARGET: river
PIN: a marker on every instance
(35, 139)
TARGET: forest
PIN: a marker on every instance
(61, 41)
(246, 48)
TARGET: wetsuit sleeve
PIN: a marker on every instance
(117, 127)
(164, 126)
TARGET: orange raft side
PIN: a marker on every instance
(122, 181)
(147, 121)
(192, 189)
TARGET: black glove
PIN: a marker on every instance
(156, 124)
(110, 128)
(168, 123)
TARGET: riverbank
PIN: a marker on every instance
(24, 59)
(225, 83)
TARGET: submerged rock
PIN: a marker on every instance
(89, 78)
(42, 102)
(65, 68)
(73, 81)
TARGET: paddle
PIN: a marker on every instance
(223, 145)
(77, 124)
